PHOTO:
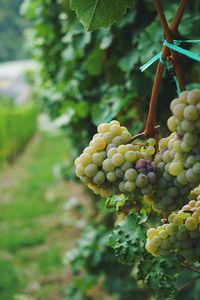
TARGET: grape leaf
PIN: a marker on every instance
(128, 239)
(95, 14)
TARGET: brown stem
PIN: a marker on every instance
(188, 283)
(190, 268)
(151, 120)
(169, 37)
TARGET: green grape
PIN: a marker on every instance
(171, 123)
(99, 143)
(156, 241)
(141, 180)
(178, 111)
(91, 170)
(173, 191)
(122, 149)
(130, 156)
(186, 147)
(181, 236)
(150, 150)
(111, 152)
(122, 187)
(97, 159)
(89, 150)
(163, 234)
(99, 178)
(191, 113)
(103, 128)
(177, 220)
(131, 174)
(147, 189)
(165, 244)
(80, 170)
(119, 173)
(111, 176)
(191, 138)
(129, 186)
(117, 141)
(175, 168)
(193, 97)
(127, 165)
(110, 146)
(117, 159)
(85, 179)
(171, 229)
(191, 223)
(174, 103)
(191, 176)
(187, 126)
(152, 177)
(108, 137)
(114, 122)
(115, 129)
(108, 165)
(126, 136)
(85, 159)
(151, 142)
(151, 232)
(196, 168)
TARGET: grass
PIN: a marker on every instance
(32, 238)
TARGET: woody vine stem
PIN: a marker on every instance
(169, 33)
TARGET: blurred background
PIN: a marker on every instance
(57, 83)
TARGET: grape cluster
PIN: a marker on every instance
(110, 165)
(181, 150)
(181, 234)
(178, 159)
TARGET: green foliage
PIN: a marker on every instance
(128, 238)
(93, 258)
(17, 125)
(11, 31)
(97, 14)
(10, 282)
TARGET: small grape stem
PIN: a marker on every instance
(190, 268)
(151, 130)
(188, 283)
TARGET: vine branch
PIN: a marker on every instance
(151, 128)
(188, 283)
(191, 268)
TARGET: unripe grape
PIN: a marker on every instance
(91, 170)
(129, 186)
(85, 159)
(130, 156)
(117, 159)
(131, 174)
(108, 165)
(80, 170)
(99, 143)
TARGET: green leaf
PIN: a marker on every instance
(95, 14)
(127, 63)
(128, 239)
(94, 62)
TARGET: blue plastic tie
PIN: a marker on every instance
(176, 48)
(182, 51)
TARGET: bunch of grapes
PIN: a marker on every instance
(180, 235)
(178, 159)
(110, 165)
(181, 150)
